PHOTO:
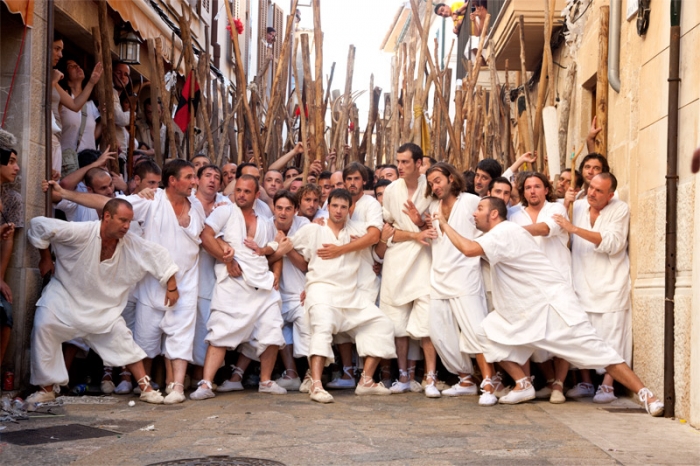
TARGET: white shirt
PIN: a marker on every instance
(71, 127)
(368, 211)
(556, 244)
(293, 280)
(452, 273)
(229, 223)
(84, 292)
(76, 212)
(525, 285)
(333, 281)
(160, 225)
(601, 274)
(207, 277)
(262, 209)
(406, 264)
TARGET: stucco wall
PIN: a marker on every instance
(637, 139)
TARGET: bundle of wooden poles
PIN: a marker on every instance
(499, 122)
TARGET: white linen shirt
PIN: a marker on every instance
(453, 274)
(406, 271)
(333, 281)
(525, 285)
(601, 274)
(556, 244)
(84, 292)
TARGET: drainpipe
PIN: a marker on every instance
(614, 45)
(47, 103)
(671, 208)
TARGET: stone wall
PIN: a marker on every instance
(637, 138)
(26, 121)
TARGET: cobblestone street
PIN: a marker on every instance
(399, 429)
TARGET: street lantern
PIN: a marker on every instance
(129, 48)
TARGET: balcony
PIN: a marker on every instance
(505, 32)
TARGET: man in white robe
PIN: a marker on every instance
(364, 209)
(86, 295)
(174, 219)
(601, 274)
(536, 308)
(333, 302)
(292, 282)
(405, 286)
(245, 305)
(457, 298)
(208, 186)
(535, 214)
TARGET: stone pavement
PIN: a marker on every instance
(391, 430)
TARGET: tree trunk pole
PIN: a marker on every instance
(241, 84)
(109, 132)
(601, 91)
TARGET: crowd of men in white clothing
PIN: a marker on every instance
(272, 265)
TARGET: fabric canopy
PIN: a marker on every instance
(24, 7)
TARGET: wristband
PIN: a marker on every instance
(172, 290)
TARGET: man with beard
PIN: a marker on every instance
(544, 315)
(457, 301)
(405, 293)
(245, 305)
(536, 215)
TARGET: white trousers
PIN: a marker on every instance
(410, 319)
(615, 328)
(454, 324)
(372, 331)
(170, 333)
(579, 344)
(254, 330)
(116, 348)
(296, 330)
(199, 349)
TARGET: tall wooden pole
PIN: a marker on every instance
(241, 84)
(279, 82)
(342, 132)
(155, 99)
(318, 111)
(109, 131)
(601, 88)
(165, 99)
(526, 93)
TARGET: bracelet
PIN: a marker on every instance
(172, 290)
(382, 241)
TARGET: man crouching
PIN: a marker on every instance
(97, 264)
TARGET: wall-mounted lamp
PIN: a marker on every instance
(129, 47)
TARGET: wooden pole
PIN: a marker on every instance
(395, 114)
(601, 89)
(433, 74)
(355, 138)
(300, 102)
(318, 111)
(241, 85)
(528, 105)
(495, 110)
(566, 111)
(510, 155)
(453, 156)
(423, 55)
(203, 72)
(155, 99)
(165, 99)
(279, 82)
(109, 131)
(310, 136)
(347, 104)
